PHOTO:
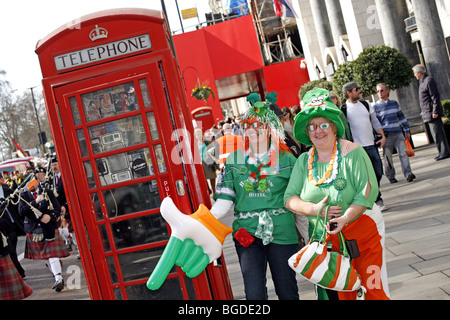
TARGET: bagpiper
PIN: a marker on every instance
(41, 211)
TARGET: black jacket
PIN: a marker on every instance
(13, 211)
(30, 220)
(62, 199)
(429, 98)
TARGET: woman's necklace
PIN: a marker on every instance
(258, 169)
(332, 170)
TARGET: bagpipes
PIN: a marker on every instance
(4, 202)
(45, 206)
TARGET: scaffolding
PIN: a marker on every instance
(275, 34)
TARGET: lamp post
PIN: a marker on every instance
(163, 6)
(38, 123)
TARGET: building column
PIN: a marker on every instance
(322, 25)
(433, 44)
(337, 25)
(392, 15)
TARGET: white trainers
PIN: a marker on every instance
(381, 205)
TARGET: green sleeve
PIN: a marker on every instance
(297, 179)
(225, 185)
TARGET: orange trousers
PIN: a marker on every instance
(368, 231)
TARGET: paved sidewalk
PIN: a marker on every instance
(417, 240)
(39, 277)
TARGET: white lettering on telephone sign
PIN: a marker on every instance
(102, 52)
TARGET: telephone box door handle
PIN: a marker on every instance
(180, 187)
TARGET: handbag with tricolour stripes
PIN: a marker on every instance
(328, 269)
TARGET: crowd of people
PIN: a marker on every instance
(284, 171)
(34, 205)
(218, 142)
(277, 168)
(327, 152)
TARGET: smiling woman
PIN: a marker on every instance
(254, 180)
(337, 173)
(322, 133)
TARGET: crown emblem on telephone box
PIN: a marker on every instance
(98, 33)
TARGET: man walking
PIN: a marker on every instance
(394, 124)
(363, 122)
(41, 209)
(432, 110)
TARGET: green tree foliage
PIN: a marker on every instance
(343, 74)
(380, 64)
(446, 106)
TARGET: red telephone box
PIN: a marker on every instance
(121, 128)
(204, 117)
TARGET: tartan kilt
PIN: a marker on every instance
(44, 250)
(12, 286)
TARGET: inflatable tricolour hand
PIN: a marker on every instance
(196, 240)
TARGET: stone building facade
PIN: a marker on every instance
(333, 32)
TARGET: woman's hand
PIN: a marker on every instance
(353, 211)
(340, 222)
(306, 208)
(333, 211)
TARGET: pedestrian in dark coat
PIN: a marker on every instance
(432, 110)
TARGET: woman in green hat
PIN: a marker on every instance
(339, 173)
(254, 180)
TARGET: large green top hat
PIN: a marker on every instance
(260, 111)
(317, 103)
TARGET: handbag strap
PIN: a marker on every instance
(313, 236)
(341, 237)
(342, 244)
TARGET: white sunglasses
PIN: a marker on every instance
(323, 126)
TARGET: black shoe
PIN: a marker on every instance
(411, 177)
(442, 157)
(393, 180)
(58, 285)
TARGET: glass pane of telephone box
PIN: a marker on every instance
(132, 198)
(75, 111)
(117, 134)
(145, 93)
(160, 159)
(97, 206)
(112, 269)
(89, 174)
(118, 294)
(140, 264)
(170, 290)
(152, 124)
(82, 141)
(141, 230)
(109, 102)
(104, 237)
(124, 166)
